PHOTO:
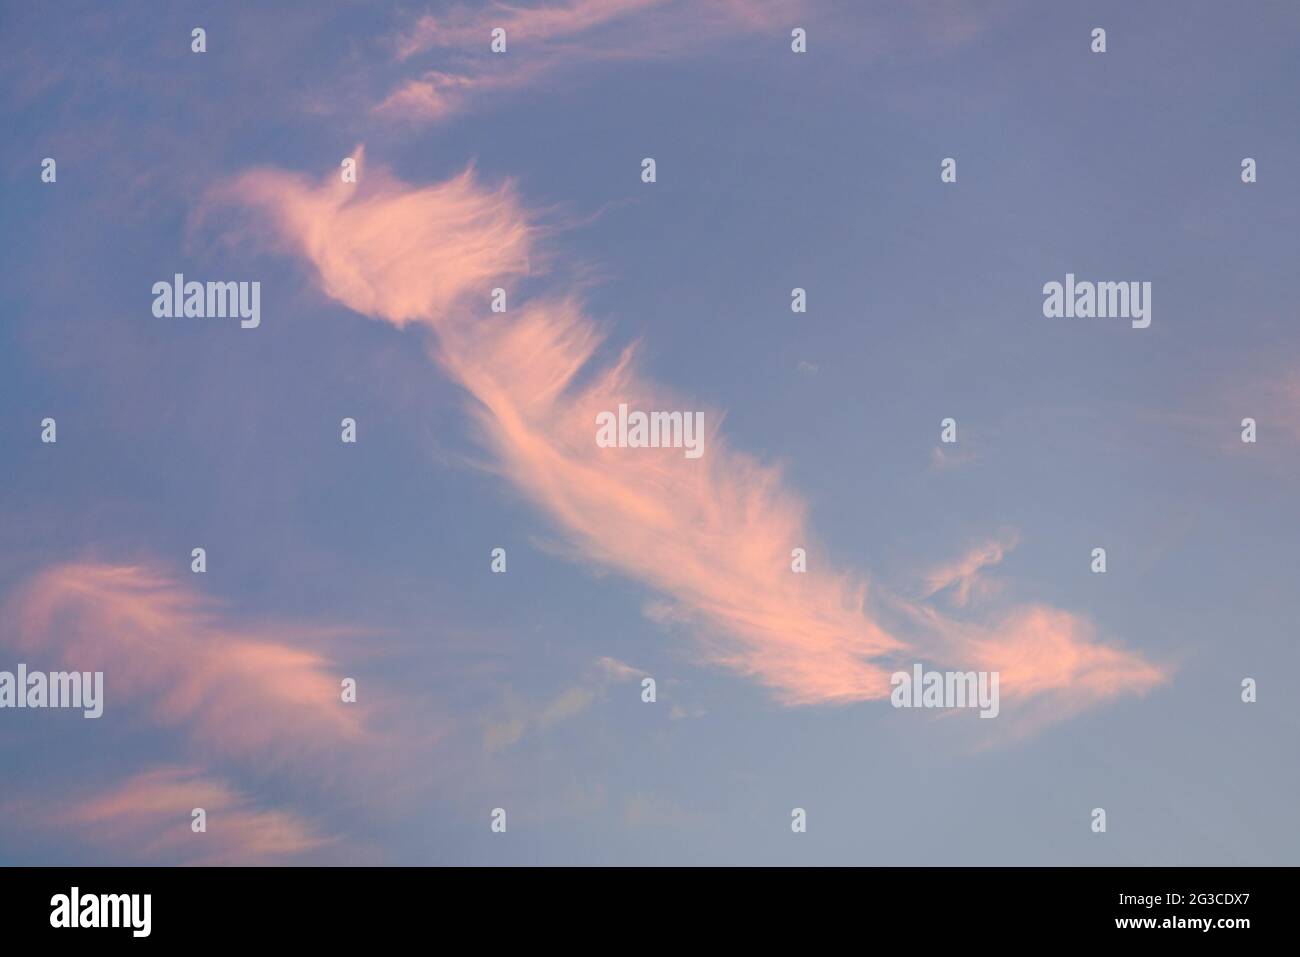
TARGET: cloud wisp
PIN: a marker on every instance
(966, 575)
(550, 39)
(125, 820)
(253, 693)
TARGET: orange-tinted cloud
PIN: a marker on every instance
(249, 692)
(147, 818)
(964, 576)
(466, 26)
(548, 38)
(432, 96)
(370, 243)
(714, 534)
(1046, 657)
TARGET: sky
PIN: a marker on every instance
(499, 716)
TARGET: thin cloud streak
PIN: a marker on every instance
(466, 26)
(965, 575)
(547, 39)
(148, 818)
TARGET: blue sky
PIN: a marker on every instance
(522, 690)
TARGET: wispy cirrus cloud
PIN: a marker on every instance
(964, 575)
(552, 39)
(942, 460)
(1213, 414)
(519, 719)
(243, 704)
(466, 25)
(548, 39)
(146, 818)
(619, 670)
(713, 534)
(252, 692)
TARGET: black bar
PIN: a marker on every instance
(978, 907)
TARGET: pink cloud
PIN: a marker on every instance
(1051, 663)
(546, 39)
(467, 26)
(433, 96)
(244, 691)
(714, 534)
(147, 818)
(964, 576)
(382, 266)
